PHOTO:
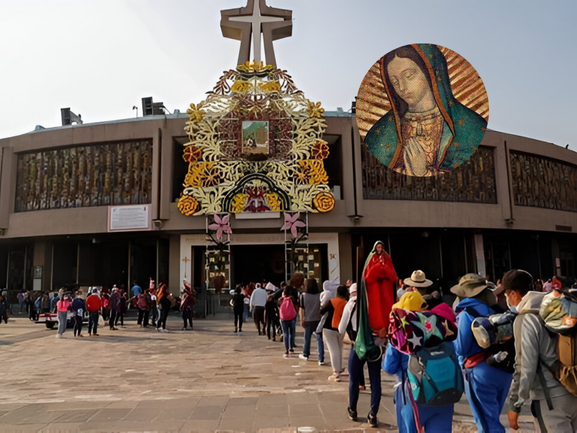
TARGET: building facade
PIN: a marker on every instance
(512, 205)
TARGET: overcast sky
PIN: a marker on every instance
(101, 57)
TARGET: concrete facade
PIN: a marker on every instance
(352, 218)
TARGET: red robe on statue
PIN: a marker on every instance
(380, 277)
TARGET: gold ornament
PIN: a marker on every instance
(187, 205)
(324, 202)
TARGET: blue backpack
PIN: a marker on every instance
(435, 375)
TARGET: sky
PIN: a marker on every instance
(101, 57)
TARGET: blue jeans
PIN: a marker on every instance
(293, 332)
(310, 328)
(355, 373)
(288, 327)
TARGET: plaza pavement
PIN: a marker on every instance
(209, 379)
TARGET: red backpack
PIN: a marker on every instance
(141, 302)
(287, 309)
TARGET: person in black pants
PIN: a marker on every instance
(114, 307)
(78, 308)
(164, 305)
(271, 317)
(237, 303)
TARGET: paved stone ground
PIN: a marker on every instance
(209, 379)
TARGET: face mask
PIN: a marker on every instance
(513, 308)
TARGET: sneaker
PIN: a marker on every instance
(321, 362)
(334, 378)
(352, 414)
(372, 420)
(96, 335)
(301, 356)
(292, 351)
(286, 355)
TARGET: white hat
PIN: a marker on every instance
(417, 280)
(353, 288)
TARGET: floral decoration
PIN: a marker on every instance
(220, 225)
(293, 166)
(324, 202)
(292, 223)
(187, 205)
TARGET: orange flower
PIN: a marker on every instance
(315, 170)
(324, 202)
(321, 150)
(187, 205)
(192, 154)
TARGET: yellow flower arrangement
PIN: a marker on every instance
(238, 203)
(273, 201)
(195, 114)
(240, 86)
(324, 202)
(315, 110)
(315, 170)
(187, 205)
(254, 67)
(269, 86)
(203, 174)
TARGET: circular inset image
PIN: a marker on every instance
(422, 110)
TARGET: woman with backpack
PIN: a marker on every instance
(412, 416)
(143, 304)
(334, 310)
(288, 315)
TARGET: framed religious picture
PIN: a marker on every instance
(255, 139)
(422, 110)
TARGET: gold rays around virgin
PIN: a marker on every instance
(467, 86)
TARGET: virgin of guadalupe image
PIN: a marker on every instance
(427, 131)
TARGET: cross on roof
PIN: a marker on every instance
(250, 22)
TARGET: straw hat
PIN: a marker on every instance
(417, 280)
(470, 285)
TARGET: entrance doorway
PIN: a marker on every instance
(257, 263)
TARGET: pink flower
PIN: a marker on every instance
(221, 225)
(292, 223)
(428, 326)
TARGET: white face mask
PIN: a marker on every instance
(513, 308)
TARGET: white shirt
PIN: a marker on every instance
(258, 298)
(348, 317)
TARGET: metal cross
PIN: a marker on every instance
(254, 19)
(185, 260)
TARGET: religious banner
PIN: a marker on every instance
(422, 110)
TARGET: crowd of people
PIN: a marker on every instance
(106, 307)
(512, 341)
